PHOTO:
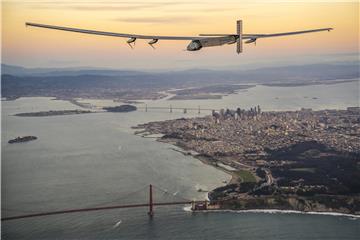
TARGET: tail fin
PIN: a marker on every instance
(239, 43)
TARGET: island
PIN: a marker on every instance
(22, 139)
(121, 108)
(290, 160)
(52, 113)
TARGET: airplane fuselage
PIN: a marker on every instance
(196, 45)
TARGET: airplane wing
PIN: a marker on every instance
(255, 36)
(197, 42)
(252, 38)
(285, 33)
(201, 36)
(112, 34)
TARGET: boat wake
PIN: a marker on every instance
(117, 224)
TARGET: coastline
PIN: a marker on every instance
(199, 157)
(267, 205)
(187, 152)
(205, 160)
(234, 179)
(277, 211)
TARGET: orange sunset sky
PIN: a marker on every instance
(33, 47)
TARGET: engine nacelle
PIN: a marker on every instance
(194, 45)
(153, 41)
(251, 40)
(131, 40)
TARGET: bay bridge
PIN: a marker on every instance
(150, 204)
(170, 108)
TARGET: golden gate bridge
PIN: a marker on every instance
(150, 204)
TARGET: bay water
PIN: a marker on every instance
(91, 160)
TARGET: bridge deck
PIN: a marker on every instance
(97, 209)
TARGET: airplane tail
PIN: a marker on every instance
(239, 30)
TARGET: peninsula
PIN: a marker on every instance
(208, 92)
(296, 160)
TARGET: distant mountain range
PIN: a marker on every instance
(92, 82)
(22, 71)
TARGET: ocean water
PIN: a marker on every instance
(93, 160)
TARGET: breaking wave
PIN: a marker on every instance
(187, 208)
(277, 211)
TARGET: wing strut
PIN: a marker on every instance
(239, 43)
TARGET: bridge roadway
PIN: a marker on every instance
(150, 205)
(170, 108)
(97, 209)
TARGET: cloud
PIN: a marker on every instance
(202, 9)
(106, 5)
(156, 20)
(124, 6)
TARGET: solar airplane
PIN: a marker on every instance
(196, 42)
